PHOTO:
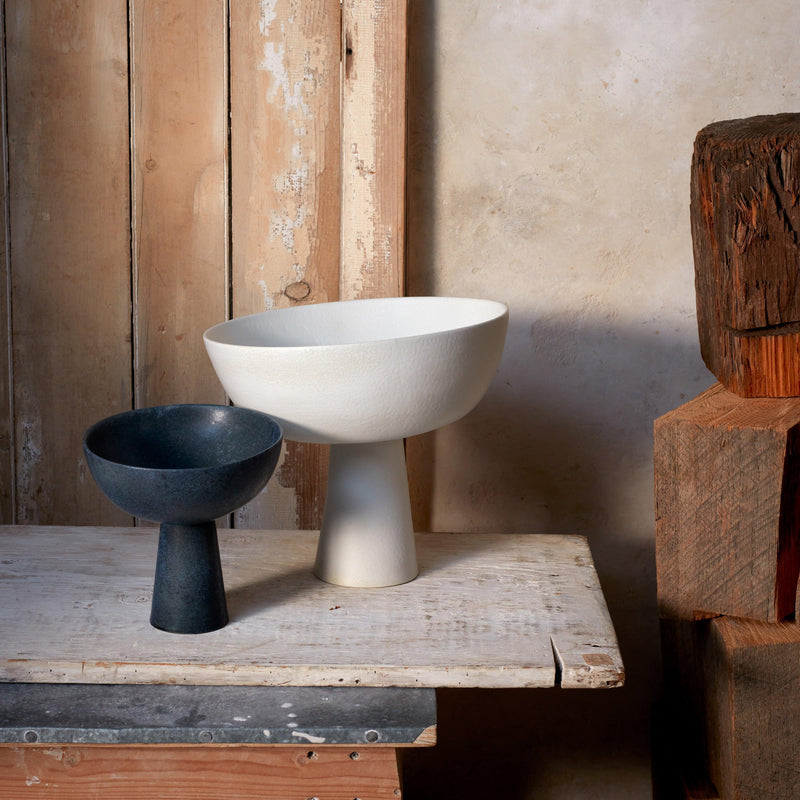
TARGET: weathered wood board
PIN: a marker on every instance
(318, 182)
(736, 683)
(70, 263)
(485, 611)
(179, 109)
(285, 190)
(727, 490)
(7, 481)
(373, 150)
(198, 773)
(285, 200)
(745, 218)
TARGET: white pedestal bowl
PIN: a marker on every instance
(361, 375)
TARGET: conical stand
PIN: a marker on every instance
(367, 537)
(188, 593)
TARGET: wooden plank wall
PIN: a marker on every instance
(167, 165)
(69, 225)
(179, 106)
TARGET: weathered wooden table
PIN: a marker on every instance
(308, 691)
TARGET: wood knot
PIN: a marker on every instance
(297, 291)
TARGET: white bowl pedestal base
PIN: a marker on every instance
(367, 538)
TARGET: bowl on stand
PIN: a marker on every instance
(361, 375)
(184, 466)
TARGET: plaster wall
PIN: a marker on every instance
(549, 158)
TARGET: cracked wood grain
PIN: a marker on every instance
(745, 219)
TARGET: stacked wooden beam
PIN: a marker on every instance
(727, 473)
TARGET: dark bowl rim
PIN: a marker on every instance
(272, 444)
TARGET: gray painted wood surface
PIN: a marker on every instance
(487, 611)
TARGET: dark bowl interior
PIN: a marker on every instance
(182, 436)
(183, 463)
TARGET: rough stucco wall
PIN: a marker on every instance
(549, 156)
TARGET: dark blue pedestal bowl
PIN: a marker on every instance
(184, 466)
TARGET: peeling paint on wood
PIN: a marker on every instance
(285, 141)
(373, 148)
(285, 197)
(227, 208)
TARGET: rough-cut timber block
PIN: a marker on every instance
(745, 220)
(728, 507)
(736, 701)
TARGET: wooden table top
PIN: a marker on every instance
(487, 611)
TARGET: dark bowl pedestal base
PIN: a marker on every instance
(188, 593)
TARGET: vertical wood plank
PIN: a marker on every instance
(285, 163)
(179, 107)
(70, 245)
(6, 377)
(374, 43)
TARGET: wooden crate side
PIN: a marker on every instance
(153, 772)
(69, 182)
(71, 187)
(726, 507)
(180, 140)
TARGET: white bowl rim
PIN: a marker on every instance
(500, 310)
